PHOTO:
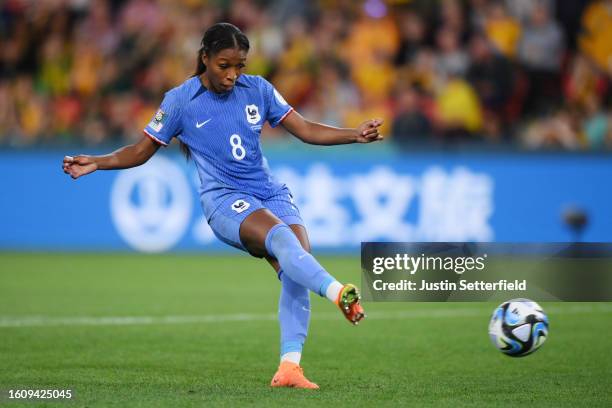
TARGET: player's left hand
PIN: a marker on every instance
(367, 132)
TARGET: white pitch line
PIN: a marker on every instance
(46, 321)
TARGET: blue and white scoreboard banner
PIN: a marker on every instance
(344, 200)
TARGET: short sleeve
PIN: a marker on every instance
(278, 108)
(166, 121)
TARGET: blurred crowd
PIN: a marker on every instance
(528, 73)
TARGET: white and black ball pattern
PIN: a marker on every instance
(518, 327)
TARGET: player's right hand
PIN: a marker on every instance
(368, 131)
(78, 166)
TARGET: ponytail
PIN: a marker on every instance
(200, 66)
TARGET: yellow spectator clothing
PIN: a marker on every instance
(85, 72)
(355, 116)
(259, 64)
(370, 47)
(292, 79)
(55, 76)
(32, 119)
(458, 105)
(504, 34)
(299, 53)
(597, 40)
(374, 80)
(372, 40)
(173, 68)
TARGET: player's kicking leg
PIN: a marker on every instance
(304, 269)
(349, 302)
(263, 233)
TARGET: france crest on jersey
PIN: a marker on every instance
(222, 132)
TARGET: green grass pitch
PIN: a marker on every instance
(203, 331)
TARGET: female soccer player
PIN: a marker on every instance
(217, 116)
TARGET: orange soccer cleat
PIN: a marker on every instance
(291, 375)
(349, 302)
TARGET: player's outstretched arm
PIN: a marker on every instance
(320, 134)
(128, 156)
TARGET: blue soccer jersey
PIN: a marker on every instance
(222, 132)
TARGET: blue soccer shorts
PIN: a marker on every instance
(225, 221)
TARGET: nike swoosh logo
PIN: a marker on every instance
(301, 256)
(199, 125)
(305, 309)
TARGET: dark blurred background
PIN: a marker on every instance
(530, 74)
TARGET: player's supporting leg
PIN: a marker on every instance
(263, 233)
(294, 317)
(293, 306)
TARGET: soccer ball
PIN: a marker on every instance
(518, 327)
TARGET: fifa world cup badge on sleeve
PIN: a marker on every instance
(158, 121)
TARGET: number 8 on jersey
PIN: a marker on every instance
(238, 150)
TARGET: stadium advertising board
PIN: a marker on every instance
(344, 201)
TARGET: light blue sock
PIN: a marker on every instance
(295, 262)
(293, 314)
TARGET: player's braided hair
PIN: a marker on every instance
(218, 37)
